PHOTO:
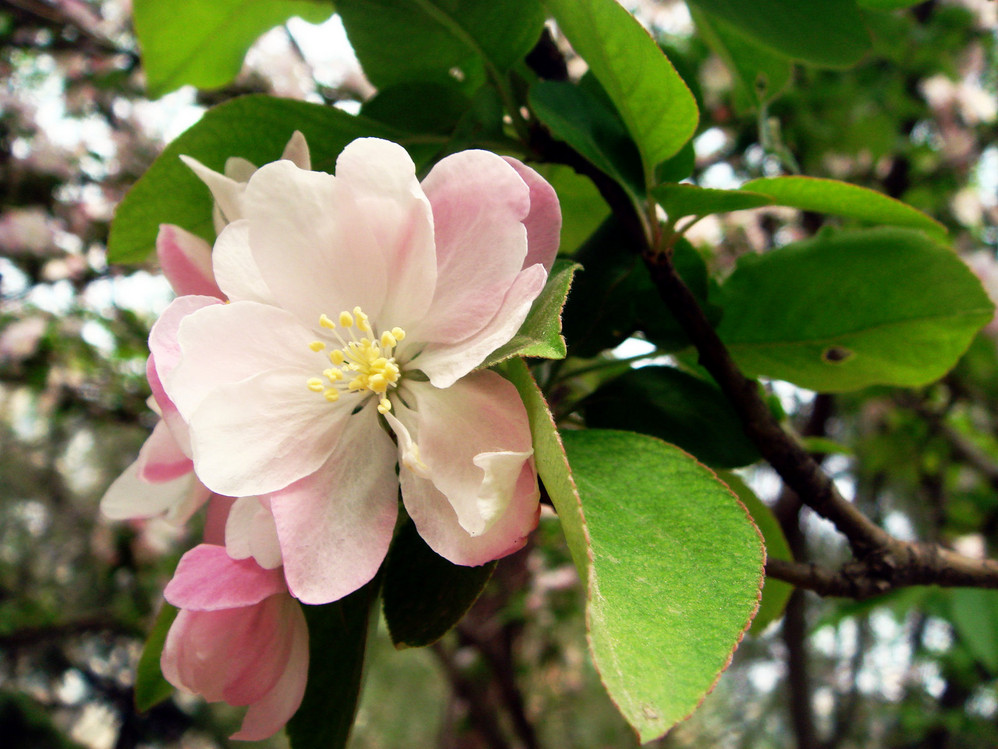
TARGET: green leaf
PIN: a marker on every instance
(552, 465)
(775, 593)
(843, 199)
(578, 118)
(677, 407)
(399, 41)
(853, 308)
(675, 577)
(653, 101)
(150, 686)
(253, 127)
(975, 616)
(540, 334)
(203, 43)
(823, 32)
(759, 74)
(689, 200)
(582, 207)
(337, 640)
(403, 106)
(424, 594)
(888, 4)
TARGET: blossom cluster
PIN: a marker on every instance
(321, 357)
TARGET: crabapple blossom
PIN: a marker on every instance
(239, 638)
(359, 307)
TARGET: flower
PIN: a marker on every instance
(359, 307)
(239, 638)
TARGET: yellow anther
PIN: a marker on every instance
(331, 394)
(317, 345)
(398, 333)
(315, 385)
(333, 375)
(378, 383)
(346, 319)
(363, 321)
(325, 322)
(388, 340)
(336, 357)
(384, 406)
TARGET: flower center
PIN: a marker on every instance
(361, 364)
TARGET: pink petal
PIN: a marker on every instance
(236, 271)
(335, 526)
(312, 242)
(479, 203)
(387, 194)
(445, 363)
(186, 262)
(267, 716)
(195, 647)
(544, 220)
(231, 342)
(208, 579)
(477, 498)
(161, 458)
(163, 344)
(260, 652)
(215, 519)
(131, 497)
(264, 433)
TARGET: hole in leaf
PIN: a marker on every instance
(836, 354)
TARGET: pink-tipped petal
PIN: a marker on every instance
(544, 220)
(164, 346)
(475, 446)
(312, 242)
(161, 458)
(388, 197)
(208, 579)
(479, 204)
(266, 717)
(335, 525)
(445, 363)
(186, 262)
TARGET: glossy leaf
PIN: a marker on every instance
(823, 32)
(775, 593)
(675, 577)
(337, 640)
(582, 207)
(400, 41)
(150, 686)
(689, 200)
(850, 309)
(253, 127)
(578, 118)
(676, 407)
(424, 594)
(203, 43)
(975, 616)
(652, 100)
(540, 334)
(843, 199)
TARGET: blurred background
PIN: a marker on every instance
(916, 119)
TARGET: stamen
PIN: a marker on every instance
(326, 322)
(317, 345)
(346, 319)
(315, 385)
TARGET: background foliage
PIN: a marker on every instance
(894, 96)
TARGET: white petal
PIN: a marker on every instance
(235, 269)
(250, 532)
(226, 191)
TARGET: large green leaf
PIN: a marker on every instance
(337, 641)
(150, 686)
(203, 43)
(540, 334)
(675, 577)
(854, 308)
(758, 73)
(398, 41)
(677, 407)
(253, 127)
(843, 199)
(680, 200)
(424, 594)
(823, 32)
(652, 100)
(775, 593)
(582, 207)
(975, 615)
